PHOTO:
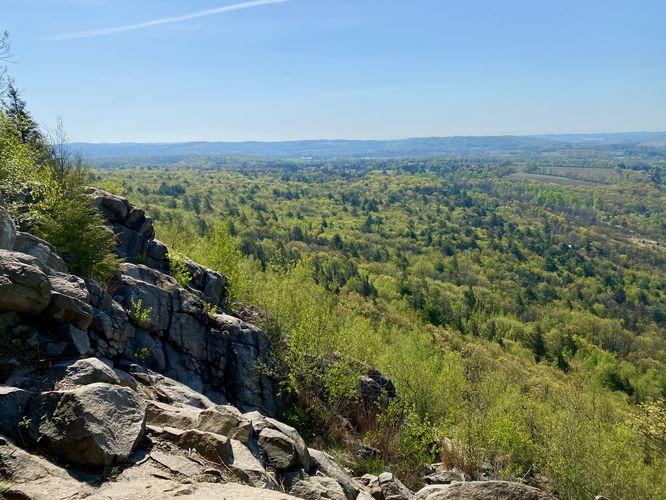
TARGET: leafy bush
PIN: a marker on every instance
(58, 209)
(140, 314)
(178, 269)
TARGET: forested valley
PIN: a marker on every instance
(521, 318)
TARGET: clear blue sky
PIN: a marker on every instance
(340, 68)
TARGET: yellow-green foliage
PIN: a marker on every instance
(494, 402)
(178, 269)
(485, 319)
(58, 211)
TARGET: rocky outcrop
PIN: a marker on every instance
(97, 424)
(24, 286)
(7, 231)
(43, 251)
(482, 490)
(137, 244)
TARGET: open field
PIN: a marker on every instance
(552, 179)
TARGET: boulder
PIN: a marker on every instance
(97, 424)
(213, 447)
(317, 488)
(7, 231)
(86, 371)
(327, 465)
(77, 338)
(375, 385)
(68, 309)
(226, 420)
(246, 465)
(482, 490)
(176, 463)
(165, 415)
(260, 422)
(12, 405)
(36, 478)
(43, 251)
(174, 392)
(114, 208)
(210, 285)
(393, 489)
(279, 449)
(445, 477)
(24, 286)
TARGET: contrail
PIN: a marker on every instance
(166, 20)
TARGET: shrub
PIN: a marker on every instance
(178, 269)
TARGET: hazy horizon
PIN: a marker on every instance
(276, 70)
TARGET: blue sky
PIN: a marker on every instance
(304, 69)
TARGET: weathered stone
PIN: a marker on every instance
(375, 385)
(114, 208)
(77, 338)
(445, 477)
(393, 489)
(7, 231)
(43, 251)
(249, 469)
(225, 420)
(177, 463)
(165, 415)
(177, 393)
(279, 448)
(24, 287)
(67, 309)
(213, 447)
(327, 465)
(317, 488)
(482, 490)
(210, 284)
(86, 371)
(126, 380)
(97, 424)
(12, 405)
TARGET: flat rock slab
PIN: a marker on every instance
(177, 463)
(482, 490)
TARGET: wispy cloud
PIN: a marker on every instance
(165, 20)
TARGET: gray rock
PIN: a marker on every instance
(86, 371)
(126, 380)
(482, 490)
(393, 489)
(317, 488)
(114, 208)
(248, 468)
(225, 420)
(445, 477)
(327, 465)
(43, 251)
(210, 285)
(78, 338)
(97, 424)
(279, 449)
(176, 393)
(7, 231)
(364, 495)
(177, 463)
(165, 415)
(68, 309)
(213, 447)
(24, 286)
(12, 405)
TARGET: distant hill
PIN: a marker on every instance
(330, 149)
(317, 148)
